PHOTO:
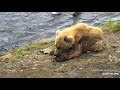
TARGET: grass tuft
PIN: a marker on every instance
(111, 26)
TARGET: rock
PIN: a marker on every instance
(80, 68)
(88, 52)
(110, 58)
(33, 68)
(76, 14)
(46, 50)
(113, 59)
(114, 46)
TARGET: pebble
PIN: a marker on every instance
(110, 58)
(33, 68)
(21, 70)
(36, 64)
(89, 59)
(80, 68)
(12, 70)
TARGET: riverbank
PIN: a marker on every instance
(30, 61)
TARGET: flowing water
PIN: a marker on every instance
(19, 28)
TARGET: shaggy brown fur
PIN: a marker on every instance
(77, 39)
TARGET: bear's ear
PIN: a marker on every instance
(57, 32)
(69, 39)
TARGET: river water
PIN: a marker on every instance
(19, 28)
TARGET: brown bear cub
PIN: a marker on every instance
(78, 39)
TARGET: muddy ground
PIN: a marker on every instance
(104, 64)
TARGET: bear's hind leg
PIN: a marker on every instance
(97, 47)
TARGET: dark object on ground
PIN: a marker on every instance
(76, 14)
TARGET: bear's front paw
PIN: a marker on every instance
(61, 58)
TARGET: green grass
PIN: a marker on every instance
(27, 49)
(111, 26)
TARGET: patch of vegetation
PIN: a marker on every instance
(27, 49)
(111, 26)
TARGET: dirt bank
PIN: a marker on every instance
(90, 65)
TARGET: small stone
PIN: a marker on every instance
(110, 58)
(46, 51)
(12, 70)
(35, 64)
(21, 70)
(33, 68)
(88, 51)
(89, 59)
(80, 68)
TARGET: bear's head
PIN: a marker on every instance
(63, 42)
